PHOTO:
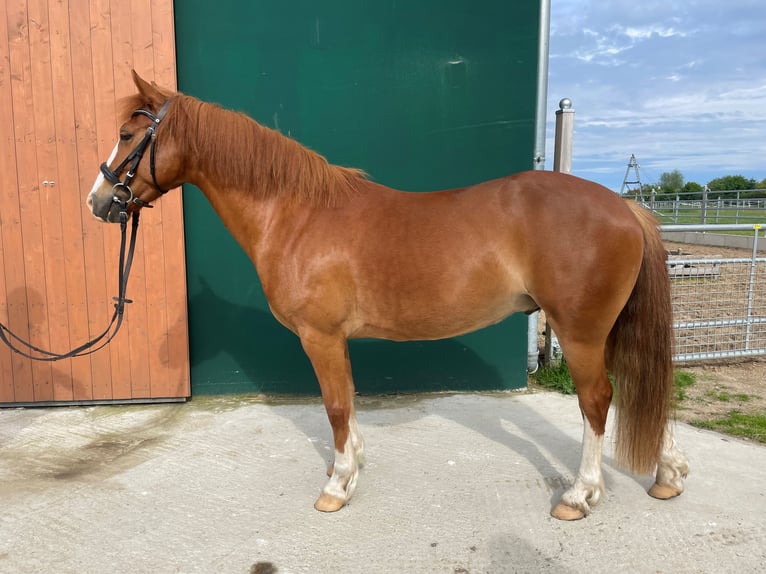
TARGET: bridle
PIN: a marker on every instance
(134, 158)
(126, 259)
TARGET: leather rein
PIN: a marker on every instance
(25, 348)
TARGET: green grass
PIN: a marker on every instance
(555, 378)
(734, 423)
(738, 424)
(683, 380)
(725, 397)
(725, 217)
(558, 379)
(720, 396)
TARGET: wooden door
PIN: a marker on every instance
(64, 64)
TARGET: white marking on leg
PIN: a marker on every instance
(589, 484)
(673, 465)
(345, 470)
(100, 180)
(356, 439)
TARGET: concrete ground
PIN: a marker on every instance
(457, 484)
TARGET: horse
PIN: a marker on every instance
(340, 256)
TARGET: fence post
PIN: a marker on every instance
(704, 204)
(562, 146)
(562, 161)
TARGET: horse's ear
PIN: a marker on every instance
(150, 92)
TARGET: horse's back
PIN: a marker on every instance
(430, 265)
(550, 218)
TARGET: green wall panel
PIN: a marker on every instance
(422, 95)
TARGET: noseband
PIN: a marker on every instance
(134, 158)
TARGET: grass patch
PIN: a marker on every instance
(738, 424)
(725, 397)
(558, 379)
(555, 378)
(721, 396)
(683, 380)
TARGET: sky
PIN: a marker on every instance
(682, 85)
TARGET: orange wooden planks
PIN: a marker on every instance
(10, 239)
(66, 62)
(27, 290)
(142, 36)
(53, 263)
(177, 355)
(71, 206)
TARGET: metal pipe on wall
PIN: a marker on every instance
(539, 151)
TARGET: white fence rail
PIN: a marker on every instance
(707, 207)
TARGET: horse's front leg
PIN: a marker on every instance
(329, 357)
(594, 393)
(588, 487)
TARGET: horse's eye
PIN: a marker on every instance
(125, 136)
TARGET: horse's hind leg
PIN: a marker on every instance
(594, 393)
(329, 357)
(672, 468)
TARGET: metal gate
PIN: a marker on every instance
(719, 305)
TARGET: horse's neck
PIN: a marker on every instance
(244, 215)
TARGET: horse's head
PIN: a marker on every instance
(144, 163)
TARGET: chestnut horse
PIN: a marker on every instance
(340, 257)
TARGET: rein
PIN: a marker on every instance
(30, 351)
(26, 349)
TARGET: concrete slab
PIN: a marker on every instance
(455, 484)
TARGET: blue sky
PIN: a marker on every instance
(680, 84)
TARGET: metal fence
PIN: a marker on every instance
(719, 306)
(707, 207)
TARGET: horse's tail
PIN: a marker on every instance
(639, 356)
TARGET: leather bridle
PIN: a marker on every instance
(134, 158)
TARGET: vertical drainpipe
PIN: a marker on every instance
(539, 152)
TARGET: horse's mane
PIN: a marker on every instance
(238, 153)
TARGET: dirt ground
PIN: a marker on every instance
(721, 386)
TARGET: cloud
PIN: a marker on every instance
(649, 31)
(601, 49)
(681, 85)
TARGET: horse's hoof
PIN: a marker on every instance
(663, 491)
(566, 512)
(327, 503)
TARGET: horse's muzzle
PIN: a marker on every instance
(104, 207)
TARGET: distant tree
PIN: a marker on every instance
(761, 184)
(692, 187)
(692, 190)
(731, 183)
(671, 181)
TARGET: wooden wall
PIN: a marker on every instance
(63, 66)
